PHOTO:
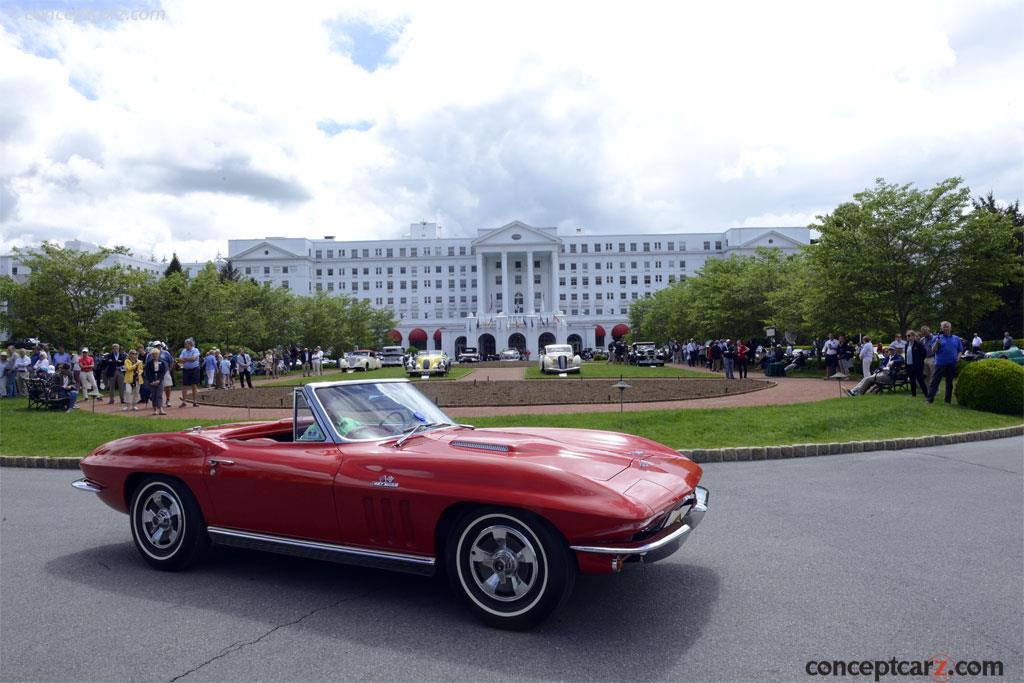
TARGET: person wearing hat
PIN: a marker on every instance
(317, 359)
(153, 374)
(87, 377)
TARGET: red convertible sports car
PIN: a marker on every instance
(372, 473)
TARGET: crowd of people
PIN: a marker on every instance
(146, 375)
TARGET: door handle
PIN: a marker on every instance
(213, 462)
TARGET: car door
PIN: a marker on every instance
(278, 488)
(388, 498)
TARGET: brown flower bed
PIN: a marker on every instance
(520, 392)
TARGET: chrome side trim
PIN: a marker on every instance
(86, 485)
(363, 557)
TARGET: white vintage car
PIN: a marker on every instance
(362, 359)
(510, 354)
(559, 358)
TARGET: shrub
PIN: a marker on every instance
(600, 356)
(994, 385)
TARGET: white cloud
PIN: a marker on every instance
(180, 133)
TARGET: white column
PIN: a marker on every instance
(481, 286)
(530, 308)
(553, 306)
(506, 275)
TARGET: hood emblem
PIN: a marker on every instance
(386, 481)
(642, 464)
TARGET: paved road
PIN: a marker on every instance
(862, 556)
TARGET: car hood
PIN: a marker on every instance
(596, 455)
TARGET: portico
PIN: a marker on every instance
(517, 268)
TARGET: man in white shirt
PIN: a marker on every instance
(867, 354)
(898, 343)
(976, 343)
(830, 350)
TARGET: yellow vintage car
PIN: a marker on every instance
(428, 363)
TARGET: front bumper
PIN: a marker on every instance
(659, 546)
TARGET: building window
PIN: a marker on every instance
(622, 246)
(248, 271)
(572, 248)
(462, 251)
(718, 246)
(266, 270)
(284, 284)
(319, 272)
(597, 248)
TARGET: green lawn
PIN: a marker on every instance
(37, 432)
(56, 433)
(383, 373)
(838, 419)
(615, 369)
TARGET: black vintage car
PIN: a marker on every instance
(645, 353)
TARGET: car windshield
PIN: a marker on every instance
(645, 347)
(372, 410)
(360, 353)
(469, 349)
(428, 353)
(559, 348)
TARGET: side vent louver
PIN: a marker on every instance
(493, 447)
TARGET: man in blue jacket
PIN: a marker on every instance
(947, 348)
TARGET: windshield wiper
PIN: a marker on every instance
(416, 429)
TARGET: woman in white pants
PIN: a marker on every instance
(317, 361)
(867, 354)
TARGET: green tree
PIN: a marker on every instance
(897, 255)
(173, 267)
(1009, 315)
(228, 273)
(67, 296)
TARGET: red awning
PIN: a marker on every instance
(598, 331)
(417, 336)
(394, 336)
(437, 335)
(620, 331)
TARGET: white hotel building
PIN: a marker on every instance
(516, 286)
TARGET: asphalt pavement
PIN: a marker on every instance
(867, 556)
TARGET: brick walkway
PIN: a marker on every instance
(494, 374)
(790, 390)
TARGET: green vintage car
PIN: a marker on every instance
(1013, 353)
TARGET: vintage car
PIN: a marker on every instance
(370, 472)
(645, 353)
(1013, 354)
(468, 354)
(362, 359)
(428, 363)
(510, 354)
(392, 356)
(559, 358)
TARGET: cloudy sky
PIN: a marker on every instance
(175, 126)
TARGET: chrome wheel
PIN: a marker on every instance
(162, 519)
(503, 563)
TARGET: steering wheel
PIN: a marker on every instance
(400, 415)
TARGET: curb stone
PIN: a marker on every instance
(699, 455)
(703, 455)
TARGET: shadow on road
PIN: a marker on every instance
(634, 625)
